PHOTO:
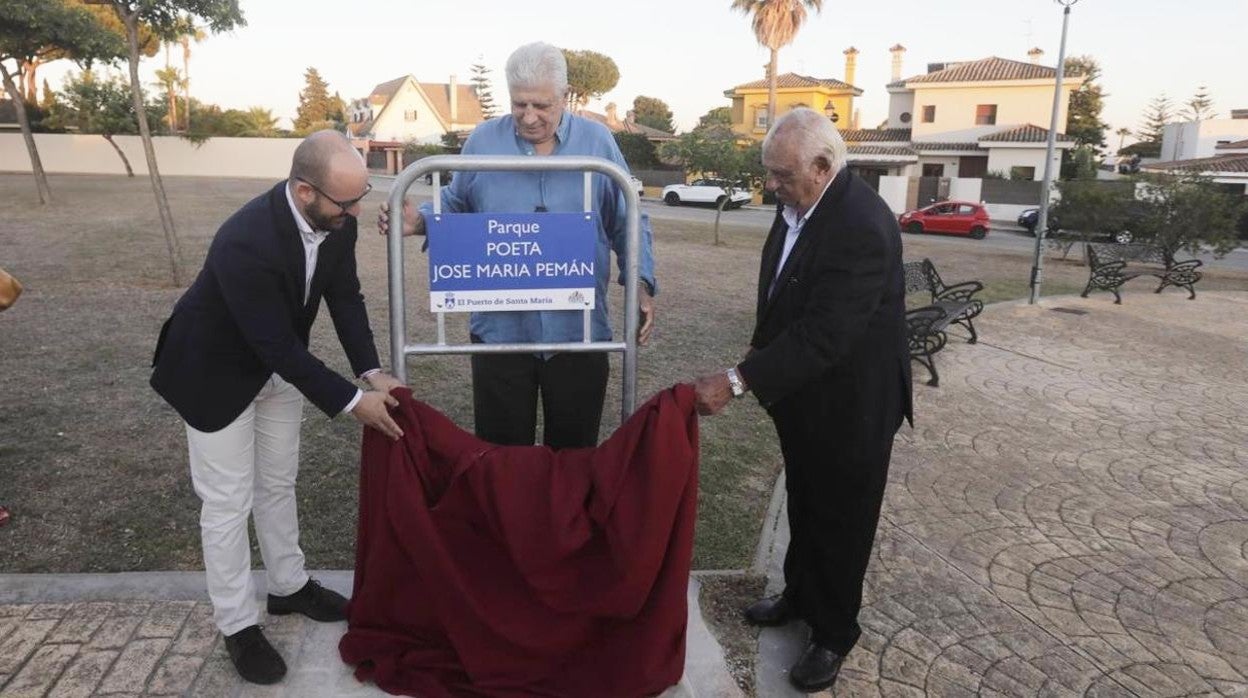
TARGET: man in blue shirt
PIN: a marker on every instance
(572, 385)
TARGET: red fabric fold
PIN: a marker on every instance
(510, 571)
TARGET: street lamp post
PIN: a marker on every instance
(1042, 223)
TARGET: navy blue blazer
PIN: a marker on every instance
(244, 319)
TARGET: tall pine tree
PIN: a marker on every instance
(317, 109)
(1159, 113)
(1200, 106)
(1083, 121)
(481, 82)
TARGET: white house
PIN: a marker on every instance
(1190, 140)
(403, 110)
(1228, 165)
(965, 120)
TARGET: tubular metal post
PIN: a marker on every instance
(400, 349)
(1042, 221)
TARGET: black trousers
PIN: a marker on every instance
(505, 388)
(834, 498)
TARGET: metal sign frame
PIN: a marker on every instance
(400, 349)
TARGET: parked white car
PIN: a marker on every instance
(707, 191)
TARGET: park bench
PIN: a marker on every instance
(1111, 265)
(948, 305)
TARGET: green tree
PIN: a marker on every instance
(97, 105)
(1188, 211)
(714, 151)
(653, 112)
(775, 23)
(718, 116)
(165, 17)
(485, 95)
(168, 79)
(33, 31)
(317, 108)
(1083, 120)
(638, 151)
(1159, 113)
(1122, 134)
(590, 75)
(1200, 106)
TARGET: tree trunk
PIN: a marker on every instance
(171, 95)
(771, 88)
(19, 108)
(28, 75)
(131, 20)
(124, 160)
(186, 79)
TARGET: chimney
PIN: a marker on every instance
(897, 52)
(454, 100)
(851, 62)
(1035, 54)
(613, 118)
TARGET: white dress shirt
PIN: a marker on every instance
(312, 240)
(795, 223)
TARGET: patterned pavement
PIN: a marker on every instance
(1069, 515)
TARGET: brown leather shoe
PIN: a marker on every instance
(769, 612)
(313, 601)
(817, 669)
(254, 658)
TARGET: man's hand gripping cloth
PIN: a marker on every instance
(509, 571)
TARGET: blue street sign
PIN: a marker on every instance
(511, 261)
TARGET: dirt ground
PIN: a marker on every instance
(93, 464)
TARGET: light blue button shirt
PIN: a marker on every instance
(525, 192)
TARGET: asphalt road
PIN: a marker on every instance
(1001, 237)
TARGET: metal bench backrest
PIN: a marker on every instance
(1102, 252)
(916, 277)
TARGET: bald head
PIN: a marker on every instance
(325, 171)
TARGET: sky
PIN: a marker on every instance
(687, 52)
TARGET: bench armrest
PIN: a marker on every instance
(959, 292)
(1185, 265)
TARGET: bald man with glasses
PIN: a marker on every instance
(233, 361)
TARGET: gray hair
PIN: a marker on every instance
(538, 65)
(815, 137)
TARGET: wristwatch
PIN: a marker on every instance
(734, 380)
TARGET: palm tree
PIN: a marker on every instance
(188, 33)
(1122, 134)
(775, 25)
(258, 122)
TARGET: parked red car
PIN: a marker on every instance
(956, 217)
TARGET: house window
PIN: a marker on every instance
(985, 115)
(929, 113)
(760, 118)
(933, 170)
(1027, 174)
(409, 115)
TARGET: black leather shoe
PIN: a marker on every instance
(769, 612)
(254, 658)
(817, 669)
(313, 601)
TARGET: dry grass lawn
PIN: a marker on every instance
(93, 464)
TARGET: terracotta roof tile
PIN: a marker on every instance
(788, 80)
(627, 126)
(939, 145)
(1234, 162)
(469, 107)
(989, 69)
(1027, 133)
(881, 150)
(876, 135)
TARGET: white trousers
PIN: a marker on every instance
(249, 467)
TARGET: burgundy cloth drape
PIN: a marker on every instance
(509, 571)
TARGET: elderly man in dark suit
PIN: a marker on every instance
(233, 361)
(828, 361)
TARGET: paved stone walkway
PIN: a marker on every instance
(1070, 514)
(156, 638)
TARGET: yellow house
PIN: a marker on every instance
(828, 95)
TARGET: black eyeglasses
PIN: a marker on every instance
(344, 205)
